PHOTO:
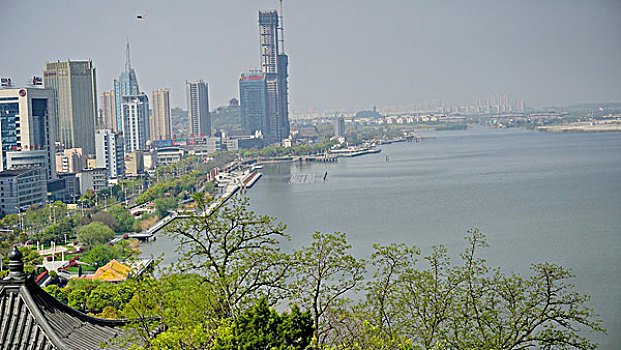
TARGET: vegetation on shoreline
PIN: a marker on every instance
(221, 292)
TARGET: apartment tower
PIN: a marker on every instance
(107, 111)
(161, 127)
(199, 119)
(75, 99)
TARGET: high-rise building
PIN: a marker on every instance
(75, 97)
(161, 128)
(125, 85)
(199, 119)
(110, 152)
(339, 127)
(253, 96)
(274, 63)
(135, 122)
(107, 111)
(27, 129)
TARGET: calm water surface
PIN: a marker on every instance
(538, 197)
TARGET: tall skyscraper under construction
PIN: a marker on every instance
(274, 63)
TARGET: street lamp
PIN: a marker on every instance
(21, 218)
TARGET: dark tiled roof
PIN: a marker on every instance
(15, 171)
(30, 318)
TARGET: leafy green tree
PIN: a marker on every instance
(57, 292)
(95, 233)
(107, 219)
(77, 299)
(324, 272)
(183, 306)
(163, 205)
(123, 217)
(261, 327)
(88, 198)
(10, 221)
(100, 297)
(471, 306)
(101, 254)
(236, 250)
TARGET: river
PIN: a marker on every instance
(538, 197)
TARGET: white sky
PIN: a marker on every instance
(344, 54)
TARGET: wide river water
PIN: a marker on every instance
(538, 197)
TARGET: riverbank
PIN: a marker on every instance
(605, 125)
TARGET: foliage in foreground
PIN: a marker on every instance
(410, 302)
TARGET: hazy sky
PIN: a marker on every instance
(344, 54)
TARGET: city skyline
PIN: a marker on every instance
(389, 53)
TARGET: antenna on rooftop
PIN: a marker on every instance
(128, 64)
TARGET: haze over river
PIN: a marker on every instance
(538, 197)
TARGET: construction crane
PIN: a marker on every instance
(282, 30)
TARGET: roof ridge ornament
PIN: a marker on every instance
(16, 265)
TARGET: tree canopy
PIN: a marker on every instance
(95, 233)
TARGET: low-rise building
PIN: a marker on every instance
(70, 160)
(66, 188)
(93, 179)
(134, 163)
(168, 155)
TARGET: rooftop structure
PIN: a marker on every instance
(30, 318)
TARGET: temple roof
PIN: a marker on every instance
(30, 318)
(113, 271)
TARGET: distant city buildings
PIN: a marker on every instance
(135, 122)
(110, 152)
(199, 119)
(75, 97)
(161, 128)
(27, 129)
(107, 111)
(253, 96)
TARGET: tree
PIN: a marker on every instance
(95, 233)
(235, 249)
(261, 327)
(471, 306)
(123, 217)
(88, 198)
(107, 219)
(101, 254)
(324, 272)
(163, 205)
